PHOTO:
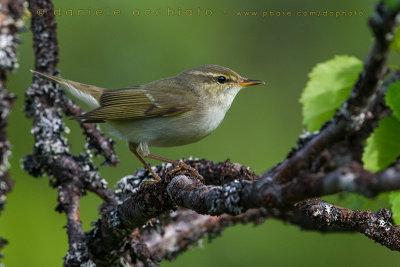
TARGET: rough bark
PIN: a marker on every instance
(71, 175)
(11, 25)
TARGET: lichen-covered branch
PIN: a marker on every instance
(70, 174)
(51, 152)
(377, 226)
(231, 198)
(106, 240)
(11, 25)
(186, 229)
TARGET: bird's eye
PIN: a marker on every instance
(221, 79)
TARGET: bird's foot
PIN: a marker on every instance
(150, 182)
(184, 166)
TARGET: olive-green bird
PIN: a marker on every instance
(169, 112)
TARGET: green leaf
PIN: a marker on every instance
(393, 98)
(383, 146)
(393, 101)
(395, 45)
(329, 84)
(394, 199)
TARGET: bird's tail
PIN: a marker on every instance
(87, 93)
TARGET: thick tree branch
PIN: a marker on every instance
(187, 227)
(232, 198)
(108, 241)
(240, 195)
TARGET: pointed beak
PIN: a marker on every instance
(246, 82)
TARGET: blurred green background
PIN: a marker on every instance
(258, 131)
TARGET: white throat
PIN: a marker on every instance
(226, 99)
(218, 108)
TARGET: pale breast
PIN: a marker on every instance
(182, 129)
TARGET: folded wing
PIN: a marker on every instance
(139, 103)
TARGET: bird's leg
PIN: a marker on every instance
(181, 165)
(132, 148)
(144, 152)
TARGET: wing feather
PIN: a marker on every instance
(138, 103)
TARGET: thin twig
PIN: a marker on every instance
(95, 138)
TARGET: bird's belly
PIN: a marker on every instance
(169, 131)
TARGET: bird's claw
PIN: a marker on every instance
(150, 182)
(184, 166)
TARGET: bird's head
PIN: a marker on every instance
(216, 80)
